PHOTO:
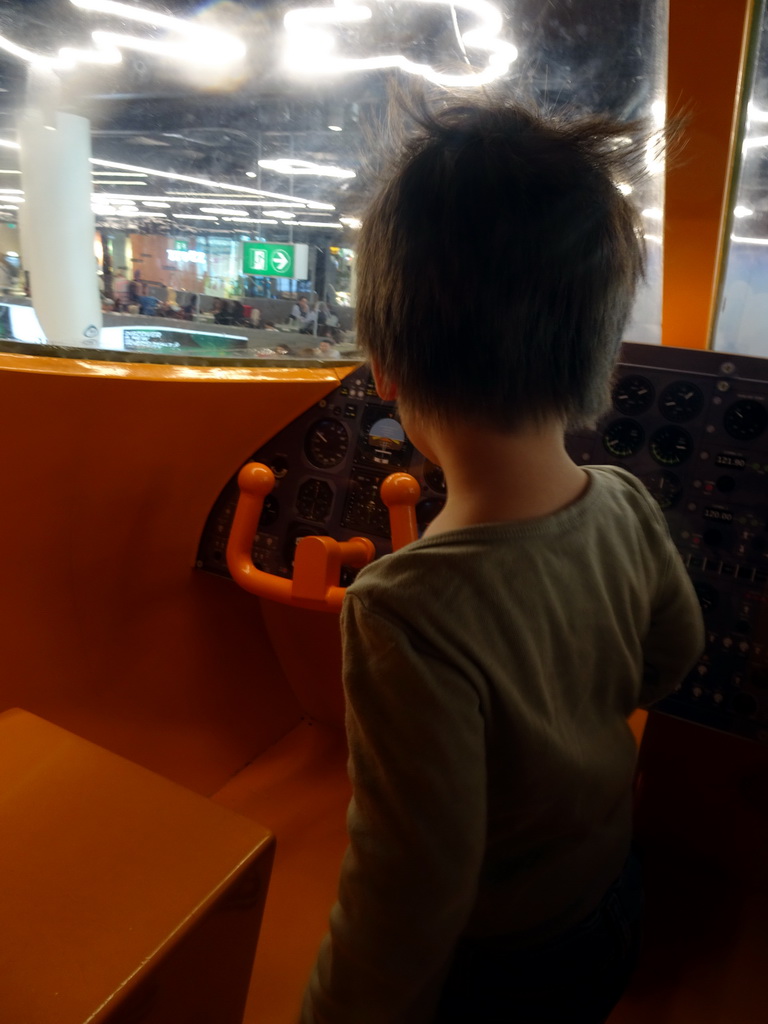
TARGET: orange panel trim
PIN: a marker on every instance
(706, 50)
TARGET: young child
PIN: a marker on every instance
(490, 666)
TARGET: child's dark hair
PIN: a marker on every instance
(498, 262)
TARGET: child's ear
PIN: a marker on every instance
(385, 388)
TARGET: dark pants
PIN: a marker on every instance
(575, 978)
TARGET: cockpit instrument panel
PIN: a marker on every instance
(329, 464)
(693, 426)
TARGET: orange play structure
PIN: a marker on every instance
(155, 693)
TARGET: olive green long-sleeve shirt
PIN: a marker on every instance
(489, 674)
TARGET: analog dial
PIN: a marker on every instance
(434, 476)
(633, 394)
(707, 595)
(680, 401)
(270, 510)
(314, 500)
(665, 487)
(746, 419)
(326, 443)
(670, 446)
(623, 438)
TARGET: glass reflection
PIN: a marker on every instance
(231, 143)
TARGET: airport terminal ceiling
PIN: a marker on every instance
(281, 146)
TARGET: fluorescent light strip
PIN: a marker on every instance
(291, 200)
(251, 220)
(193, 199)
(316, 224)
(123, 174)
(222, 210)
(749, 241)
(288, 165)
(193, 216)
(206, 181)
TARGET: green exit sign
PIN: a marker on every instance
(274, 259)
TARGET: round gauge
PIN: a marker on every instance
(434, 476)
(623, 438)
(746, 419)
(427, 510)
(680, 401)
(671, 445)
(632, 395)
(269, 512)
(314, 500)
(665, 487)
(707, 596)
(326, 443)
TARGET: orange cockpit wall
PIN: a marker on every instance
(107, 628)
(214, 201)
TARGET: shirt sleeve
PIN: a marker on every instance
(416, 825)
(675, 637)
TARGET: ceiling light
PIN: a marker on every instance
(251, 174)
(351, 222)
(317, 224)
(749, 241)
(653, 214)
(222, 210)
(282, 214)
(123, 174)
(193, 216)
(311, 48)
(250, 220)
(288, 165)
(336, 127)
(626, 190)
(742, 211)
(206, 181)
(159, 205)
(7, 144)
(4, 171)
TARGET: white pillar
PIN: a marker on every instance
(58, 226)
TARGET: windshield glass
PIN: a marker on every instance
(743, 306)
(190, 177)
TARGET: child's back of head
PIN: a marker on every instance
(498, 262)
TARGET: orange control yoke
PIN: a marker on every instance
(318, 560)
